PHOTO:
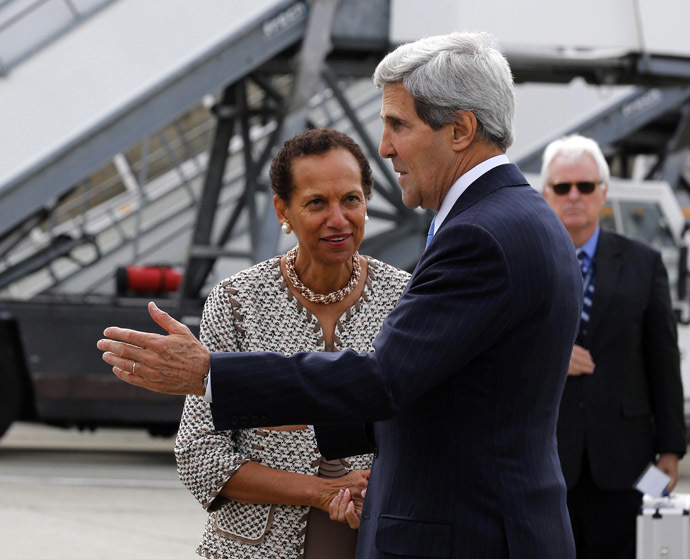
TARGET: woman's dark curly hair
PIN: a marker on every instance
(314, 142)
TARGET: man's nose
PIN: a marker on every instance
(385, 146)
(573, 193)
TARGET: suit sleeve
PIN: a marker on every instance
(206, 458)
(662, 358)
(456, 306)
(343, 441)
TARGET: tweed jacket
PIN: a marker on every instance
(250, 311)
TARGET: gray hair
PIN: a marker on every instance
(573, 148)
(455, 72)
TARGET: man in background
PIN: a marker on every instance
(622, 407)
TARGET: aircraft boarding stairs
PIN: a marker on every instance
(150, 218)
(62, 233)
(112, 108)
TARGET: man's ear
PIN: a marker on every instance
(465, 130)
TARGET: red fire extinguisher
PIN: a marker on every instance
(148, 279)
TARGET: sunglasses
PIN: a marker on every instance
(562, 188)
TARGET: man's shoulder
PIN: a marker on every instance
(482, 189)
(510, 206)
(505, 173)
(628, 245)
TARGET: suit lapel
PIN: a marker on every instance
(607, 267)
(498, 177)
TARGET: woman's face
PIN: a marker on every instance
(327, 206)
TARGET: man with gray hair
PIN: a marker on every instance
(622, 407)
(459, 398)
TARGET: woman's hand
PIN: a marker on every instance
(332, 498)
(343, 509)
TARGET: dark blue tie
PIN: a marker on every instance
(430, 234)
(588, 292)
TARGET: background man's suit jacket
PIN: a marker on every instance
(631, 407)
(463, 387)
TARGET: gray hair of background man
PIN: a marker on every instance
(459, 71)
(572, 148)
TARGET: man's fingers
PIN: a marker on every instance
(124, 363)
(117, 361)
(581, 362)
(165, 321)
(127, 376)
(132, 337)
(582, 358)
(124, 351)
(134, 379)
(148, 379)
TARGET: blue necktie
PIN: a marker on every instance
(588, 293)
(430, 234)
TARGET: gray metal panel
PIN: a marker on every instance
(618, 121)
(238, 55)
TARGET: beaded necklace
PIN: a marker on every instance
(308, 294)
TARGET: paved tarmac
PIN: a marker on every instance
(108, 494)
(66, 494)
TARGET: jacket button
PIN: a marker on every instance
(233, 420)
(581, 405)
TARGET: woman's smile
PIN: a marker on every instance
(337, 240)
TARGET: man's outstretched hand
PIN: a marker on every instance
(174, 364)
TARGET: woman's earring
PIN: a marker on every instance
(285, 228)
(366, 218)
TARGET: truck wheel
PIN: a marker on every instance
(11, 398)
(12, 386)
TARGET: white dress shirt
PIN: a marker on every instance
(463, 182)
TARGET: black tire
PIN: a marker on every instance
(12, 383)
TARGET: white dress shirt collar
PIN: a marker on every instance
(463, 182)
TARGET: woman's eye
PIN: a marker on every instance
(315, 202)
(353, 199)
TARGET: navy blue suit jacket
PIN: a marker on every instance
(463, 387)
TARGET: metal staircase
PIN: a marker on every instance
(139, 184)
(76, 241)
